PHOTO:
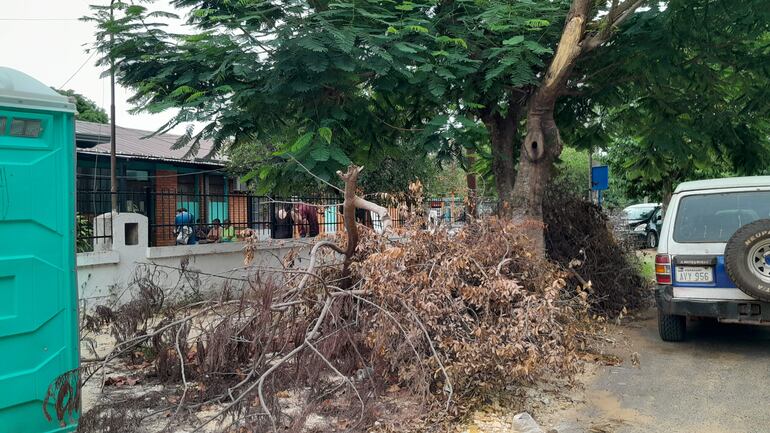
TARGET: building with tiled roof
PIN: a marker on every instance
(153, 178)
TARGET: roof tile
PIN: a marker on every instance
(139, 144)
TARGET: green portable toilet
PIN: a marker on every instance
(38, 292)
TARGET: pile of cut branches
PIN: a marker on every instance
(478, 310)
(443, 319)
(579, 238)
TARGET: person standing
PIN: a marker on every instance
(282, 222)
(183, 227)
(308, 215)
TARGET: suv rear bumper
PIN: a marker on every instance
(724, 310)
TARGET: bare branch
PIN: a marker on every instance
(387, 223)
(337, 372)
(617, 14)
(568, 49)
(448, 384)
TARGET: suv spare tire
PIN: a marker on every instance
(747, 259)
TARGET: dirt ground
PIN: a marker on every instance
(714, 382)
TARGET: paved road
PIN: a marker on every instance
(718, 381)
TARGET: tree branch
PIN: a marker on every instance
(567, 51)
(350, 178)
(379, 210)
(615, 17)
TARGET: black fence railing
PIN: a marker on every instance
(222, 217)
(94, 223)
(210, 218)
(180, 217)
(450, 210)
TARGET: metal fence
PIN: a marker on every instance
(451, 210)
(218, 217)
(94, 223)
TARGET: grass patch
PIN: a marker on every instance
(648, 266)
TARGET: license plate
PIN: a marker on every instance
(694, 274)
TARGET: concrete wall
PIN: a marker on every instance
(109, 275)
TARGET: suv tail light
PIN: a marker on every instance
(663, 268)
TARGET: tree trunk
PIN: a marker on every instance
(542, 144)
(470, 180)
(349, 206)
(534, 174)
(668, 190)
(502, 135)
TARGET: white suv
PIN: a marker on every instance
(714, 254)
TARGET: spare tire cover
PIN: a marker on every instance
(747, 259)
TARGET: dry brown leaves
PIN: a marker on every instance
(447, 319)
(496, 314)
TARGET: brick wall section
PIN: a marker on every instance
(165, 207)
(321, 220)
(202, 208)
(238, 211)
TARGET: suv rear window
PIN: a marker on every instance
(715, 217)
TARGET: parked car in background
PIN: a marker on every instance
(641, 224)
(714, 254)
(652, 231)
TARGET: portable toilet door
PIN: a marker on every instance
(38, 291)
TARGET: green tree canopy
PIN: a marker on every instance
(87, 109)
(335, 82)
(324, 83)
(692, 100)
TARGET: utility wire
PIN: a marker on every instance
(151, 177)
(78, 70)
(39, 19)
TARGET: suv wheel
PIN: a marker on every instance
(652, 240)
(747, 259)
(671, 328)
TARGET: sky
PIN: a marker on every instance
(45, 39)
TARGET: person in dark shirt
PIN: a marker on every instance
(201, 230)
(282, 222)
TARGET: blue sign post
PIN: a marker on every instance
(600, 180)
